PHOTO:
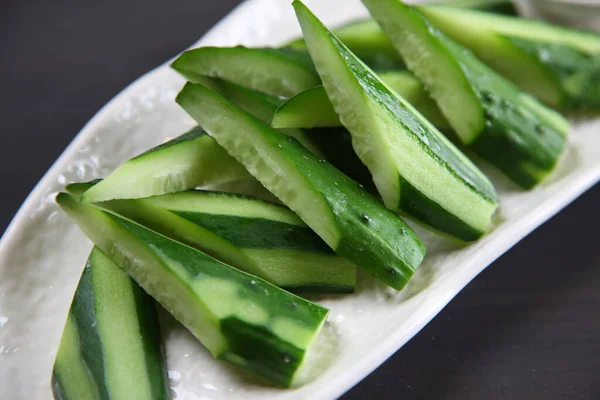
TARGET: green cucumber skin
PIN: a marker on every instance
(276, 326)
(160, 169)
(575, 72)
(92, 348)
(366, 39)
(562, 74)
(365, 225)
(312, 108)
(289, 255)
(431, 142)
(519, 139)
(241, 234)
(274, 234)
(509, 137)
(336, 146)
(297, 72)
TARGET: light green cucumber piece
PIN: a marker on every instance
(261, 238)
(561, 66)
(110, 348)
(503, 125)
(352, 222)
(312, 108)
(188, 161)
(415, 168)
(279, 72)
(238, 317)
(278, 246)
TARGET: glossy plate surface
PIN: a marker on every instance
(42, 253)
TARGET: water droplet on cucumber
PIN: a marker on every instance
(488, 97)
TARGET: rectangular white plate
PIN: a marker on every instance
(42, 253)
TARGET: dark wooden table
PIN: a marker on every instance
(527, 328)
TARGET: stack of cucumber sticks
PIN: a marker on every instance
(325, 145)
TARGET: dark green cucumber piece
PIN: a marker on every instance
(561, 66)
(336, 146)
(110, 348)
(188, 161)
(352, 222)
(238, 317)
(258, 237)
(490, 115)
(280, 72)
(366, 39)
(312, 108)
(415, 168)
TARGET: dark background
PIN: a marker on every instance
(526, 328)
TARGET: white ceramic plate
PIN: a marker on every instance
(42, 253)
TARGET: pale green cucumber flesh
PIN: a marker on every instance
(514, 132)
(542, 63)
(312, 108)
(348, 219)
(261, 238)
(415, 168)
(188, 161)
(238, 317)
(101, 359)
(280, 72)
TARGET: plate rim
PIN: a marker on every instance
(502, 243)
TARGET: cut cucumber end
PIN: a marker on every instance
(97, 357)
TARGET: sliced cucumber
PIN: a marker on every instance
(366, 39)
(506, 127)
(312, 108)
(238, 317)
(352, 222)
(79, 188)
(261, 105)
(559, 65)
(111, 346)
(258, 237)
(280, 72)
(336, 146)
(415, 168)
(190, 160)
